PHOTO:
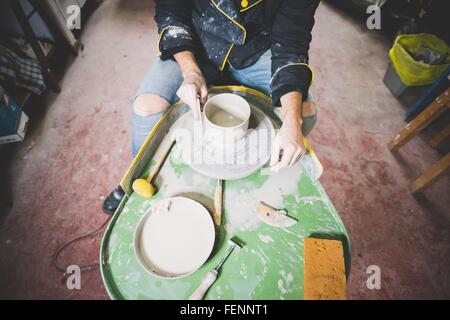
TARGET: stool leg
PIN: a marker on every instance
(431, 175)
(440, 137)
(434, 110)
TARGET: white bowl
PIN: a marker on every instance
(226, 118)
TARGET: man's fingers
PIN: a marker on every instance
(193, 103)
(203, 95)
(288, 153)
(188, 93)
(296, 156)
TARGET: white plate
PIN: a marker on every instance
(175, 238)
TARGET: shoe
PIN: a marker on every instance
(112, 202)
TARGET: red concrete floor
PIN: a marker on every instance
(79, 147)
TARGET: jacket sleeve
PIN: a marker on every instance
(291, 35)
(176, 32)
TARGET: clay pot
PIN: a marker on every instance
(226, 118)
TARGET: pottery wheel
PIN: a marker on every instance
(226, 162)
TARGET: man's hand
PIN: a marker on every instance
(193, 91)
(289, 143)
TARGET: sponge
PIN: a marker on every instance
(324, 270)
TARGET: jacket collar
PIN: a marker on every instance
(232, 12)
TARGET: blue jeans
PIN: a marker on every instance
(164, 79)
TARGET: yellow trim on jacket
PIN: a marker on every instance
(226, 58)
(294, 64)
(161, 35)
(251, 6)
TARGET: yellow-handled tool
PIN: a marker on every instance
(144, 187)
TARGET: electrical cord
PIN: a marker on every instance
(86, 267)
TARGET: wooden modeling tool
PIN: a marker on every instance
(218, 199)
(211, 276)
(200, 117)
(274, 217)
(144, 187)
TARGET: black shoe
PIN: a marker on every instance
(112, 202)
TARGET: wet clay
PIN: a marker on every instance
(222, 118)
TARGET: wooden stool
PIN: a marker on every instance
(432, 112)
(32, 39)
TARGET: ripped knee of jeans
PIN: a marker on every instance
(147, 104)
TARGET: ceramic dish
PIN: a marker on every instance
(174, 238)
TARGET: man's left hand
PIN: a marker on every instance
(288, 144)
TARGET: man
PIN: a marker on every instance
(261, 44)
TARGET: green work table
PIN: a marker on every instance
(269, 266)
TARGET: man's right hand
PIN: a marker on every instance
(193, 90)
